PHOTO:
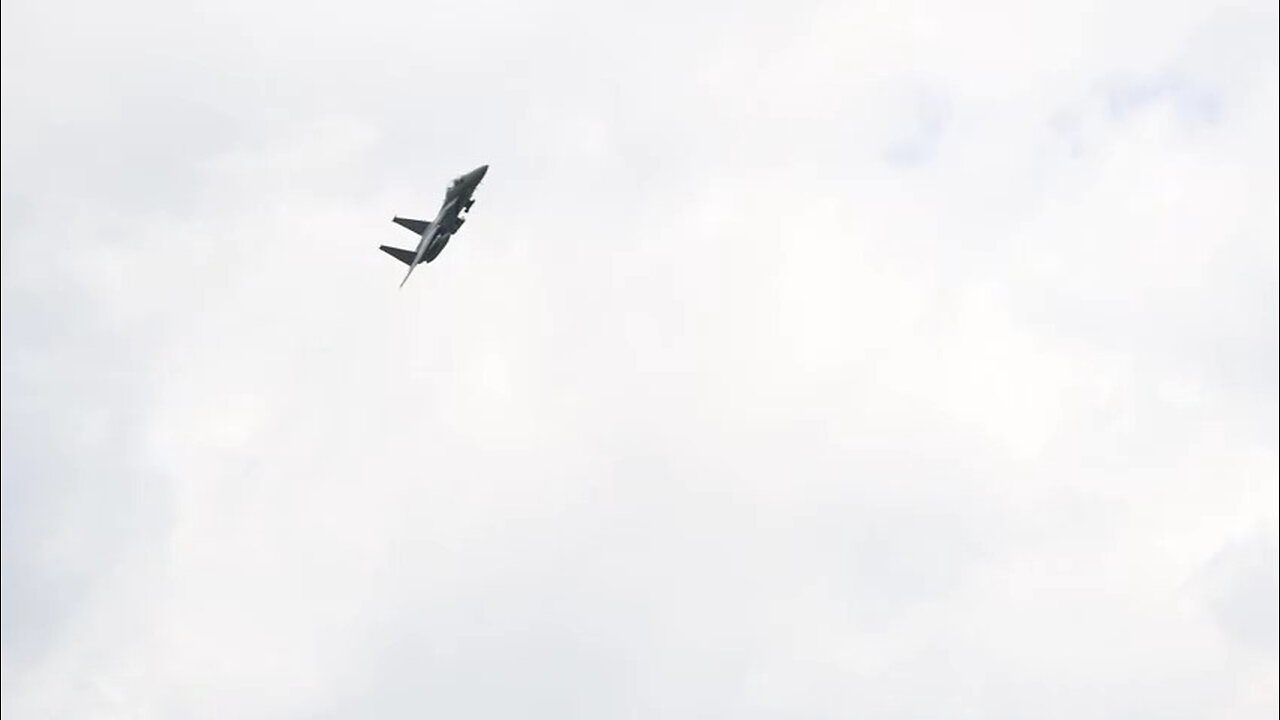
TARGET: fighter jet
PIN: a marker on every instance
(434, 235)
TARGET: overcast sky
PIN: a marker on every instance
(799, 360)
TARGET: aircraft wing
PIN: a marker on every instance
(404, 256)
(417, 226)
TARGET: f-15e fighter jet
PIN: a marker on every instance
(434, 235)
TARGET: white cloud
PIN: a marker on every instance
(810, 360)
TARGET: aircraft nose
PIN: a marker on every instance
(480, 172)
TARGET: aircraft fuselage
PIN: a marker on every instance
(456, 199)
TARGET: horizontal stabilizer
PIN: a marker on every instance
(417, 226)
(404, 256)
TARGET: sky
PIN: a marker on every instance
(799, 360)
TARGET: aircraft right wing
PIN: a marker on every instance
(417, 226)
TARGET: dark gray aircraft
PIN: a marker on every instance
(434, 235)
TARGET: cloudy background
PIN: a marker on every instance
(800, 360)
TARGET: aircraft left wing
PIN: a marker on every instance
(417, 226)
